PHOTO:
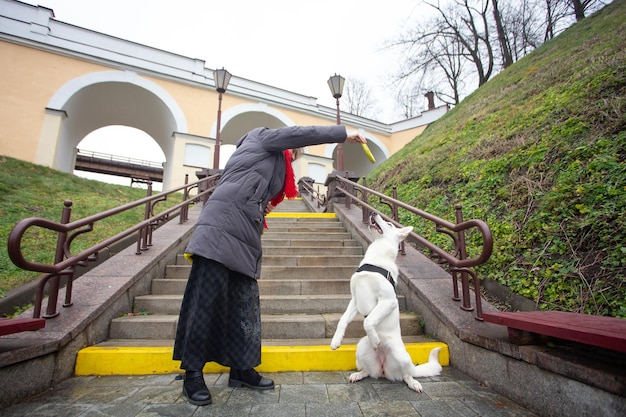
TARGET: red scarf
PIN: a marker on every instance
(290, 190)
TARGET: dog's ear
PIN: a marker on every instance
(404, 232)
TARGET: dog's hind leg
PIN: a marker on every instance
(367, 362)
(399, 365)
(345, 319)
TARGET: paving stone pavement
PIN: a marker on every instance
(297, 394)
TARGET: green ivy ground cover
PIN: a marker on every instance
(539, 153)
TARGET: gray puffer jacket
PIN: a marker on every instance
(231, 223)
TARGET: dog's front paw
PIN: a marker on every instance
(334, 344)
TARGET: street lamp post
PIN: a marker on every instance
(336, 87)
(221, 77)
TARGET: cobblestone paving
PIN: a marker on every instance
(297, 394)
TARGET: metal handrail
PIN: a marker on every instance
(65, 263)
(458, 261)
(315, 195)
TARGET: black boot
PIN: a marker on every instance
(249, 378)
(195, 390)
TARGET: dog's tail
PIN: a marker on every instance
(430, 368)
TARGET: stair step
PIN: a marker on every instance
(282, 240)
(311, 250)
(301, 218)
(274, 326)
(277, 272)
(291, 205)
(298, 251)
(304, 286)
(270, 304)
(304, 228)
(148, 357)
(313, 260)
(336, 236)
(162, 286)
(307, 272)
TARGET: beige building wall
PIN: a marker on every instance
(28, 78)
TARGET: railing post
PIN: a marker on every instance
(53, 288)
(455, 286)
(317, 192)
(149, 228)
(462, 251)
(365, 211)
(347, 197)
(332, 194)
(142, 237)
(184, 210)
(396, 216)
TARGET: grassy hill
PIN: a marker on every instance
(29, 190)
(539, 152)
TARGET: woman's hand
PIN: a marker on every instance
(269, 208)
(356, 137)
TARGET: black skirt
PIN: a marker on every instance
(220, 318)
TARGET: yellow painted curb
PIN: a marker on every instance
(301, 215)
(108, 360)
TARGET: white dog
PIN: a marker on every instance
(382, 353)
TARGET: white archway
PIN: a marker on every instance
(60, 98)
(241, 109)
(108, 98)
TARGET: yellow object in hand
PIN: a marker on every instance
(367, 151)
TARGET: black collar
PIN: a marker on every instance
(381, 271)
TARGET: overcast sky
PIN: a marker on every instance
(290, 44)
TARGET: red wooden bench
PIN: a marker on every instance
(527, 327)
(9, 326)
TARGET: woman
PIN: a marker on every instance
(220, 316)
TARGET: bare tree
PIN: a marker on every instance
(557, 17)
(468, 41)
(523, 26)
(583, 7)
(470, 26)
(579, 9)
(505, 49)
(452, 49)
(358, 98)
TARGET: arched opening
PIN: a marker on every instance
(355, 160)
(123, 145)
(115, 98)
(237, 126)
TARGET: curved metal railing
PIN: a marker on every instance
(457, 260)
(305, 187)
(65, 262)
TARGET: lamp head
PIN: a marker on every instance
(336, 85)
(221, 77)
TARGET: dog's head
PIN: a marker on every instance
(388, 229)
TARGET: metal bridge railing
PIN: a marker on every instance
(103, 157)
(65, 262)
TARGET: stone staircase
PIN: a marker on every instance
(304, 287)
